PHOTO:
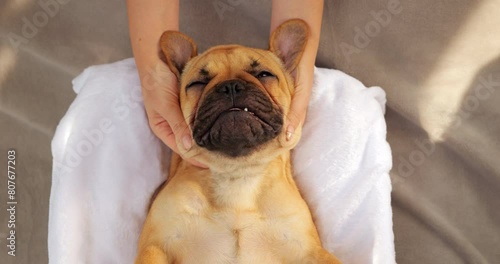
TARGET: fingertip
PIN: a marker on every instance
(187, 142)
(289, 132)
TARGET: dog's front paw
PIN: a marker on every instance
(151, 255)
(321, 256)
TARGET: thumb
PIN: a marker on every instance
(181, 133)
(179, 129)
(166, 134)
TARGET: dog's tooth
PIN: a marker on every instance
(246, 109)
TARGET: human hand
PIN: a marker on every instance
(311, 12)
(160, 90)
(147, 21)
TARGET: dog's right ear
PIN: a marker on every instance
(289, 41)
(178, 50)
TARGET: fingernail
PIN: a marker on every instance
(186, 141)
(289, 133)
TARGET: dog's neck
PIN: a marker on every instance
(240, 187)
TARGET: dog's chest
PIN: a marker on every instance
(195, 231)
(227, 237)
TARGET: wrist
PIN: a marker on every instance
(146, 62)
(308, 61)
(148, 19)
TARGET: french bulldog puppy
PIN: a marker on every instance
(245, 208)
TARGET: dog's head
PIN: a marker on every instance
(235, 98)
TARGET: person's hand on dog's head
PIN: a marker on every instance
(311, 13)
(160, 89)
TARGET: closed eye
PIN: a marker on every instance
(196, 83)
(264, 74)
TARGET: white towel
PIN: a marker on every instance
(107, 163)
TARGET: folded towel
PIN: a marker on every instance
(107, 163)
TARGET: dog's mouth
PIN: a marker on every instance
(236, 118)
(239, 109)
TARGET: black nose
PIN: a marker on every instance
(231, 88)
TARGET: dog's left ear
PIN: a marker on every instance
(178, 50)
(288, 42)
